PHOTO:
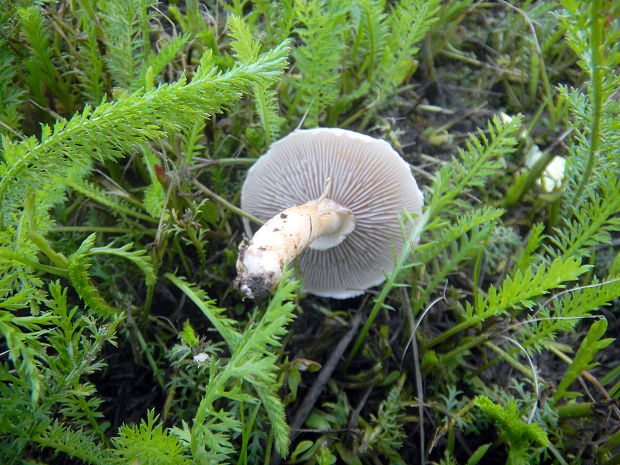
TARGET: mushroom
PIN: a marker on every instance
(332, 198)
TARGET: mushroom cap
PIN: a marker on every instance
(368, 177)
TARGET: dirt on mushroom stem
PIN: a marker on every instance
(320, 223)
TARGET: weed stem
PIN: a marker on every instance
(225, 202)
(596, 39)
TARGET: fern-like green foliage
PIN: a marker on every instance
(527, 255)
(126, 27)
(519, 289)
(371, 37)
(79, 264)
(138, 257)
(77, 341)
(464, 264)
(594, 112)
(592, 343)
(522, 438)
(563, 314)
(449, 247)
(149, 443)
(113, 129)
(103, 133)
(199, 25)
(388, 434)
(590, 224)
(481, 157)
(254, 362)
(73, 443)
(40, 65)
(246, 50)
(155, 194)
(322, 31)
(156, 62)
(89, 64)
(224, 325)
(452, 245)
(68, 347)
(352, 51)
(408, 22)
(22, 336)
(11, 96)
(115, 203)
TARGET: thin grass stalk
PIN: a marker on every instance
(416, 231)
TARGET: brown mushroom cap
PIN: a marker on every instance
(368, 177)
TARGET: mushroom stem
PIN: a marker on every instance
(320, 224)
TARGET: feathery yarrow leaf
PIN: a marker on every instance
(520, 436)
(74, 443)
(113, 129)
(79, 264)
(591, 224)
(216, 315)
(318, 59)
(149, 444)
(520, 288)
(480, 159)
(563, 313)
(589, 347)
(138, 257)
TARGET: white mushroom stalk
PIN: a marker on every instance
(319, 224)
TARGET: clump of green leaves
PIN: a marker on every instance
(520, 436)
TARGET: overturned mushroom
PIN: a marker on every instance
(332, 198)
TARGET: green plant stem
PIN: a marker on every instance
(561, 355)
(226, 203)
(534, 119)
(575, 410)
(596, 39)
(612, 442)
(614, 460)
(14, 256)
(462, 326)
(222, 329)
(477, 267)
(505, 356)
(526, 180)
(102, 229)
(198, 246)
(465, 346)
(416, 231)
(148, 300)
(557, 455)
(358, 114)
(135, 214)
(268, 447)
(57, 259)
(205, 163)
(540, 57)
(145, 349)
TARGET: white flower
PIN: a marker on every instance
(551, 178)
(201, 357)
(506, 119)
(554, 174)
